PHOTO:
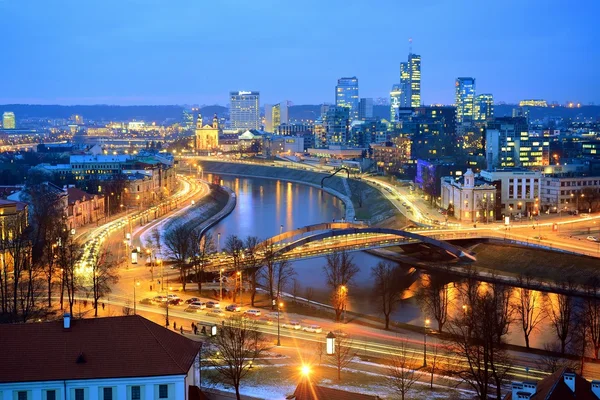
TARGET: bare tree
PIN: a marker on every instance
(527, 307)
(275, 275)
(434, 298)
(591, 313)
(339, 271)
(154, 244)
(69, 253)
(401, 371)
(252, 263)
(234, 247)
(179, 247)
(104, 273)
(562, 310)
(237, 346)
(343, 354)
(202, 246)
(551, 361)
(386, 289)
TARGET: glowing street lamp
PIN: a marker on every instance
(135, 283)
(305, 370)
(279, 306)
(330, 344)
(427, 322)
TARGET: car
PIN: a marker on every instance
(191, 300)
(592, 238)
(213, 304)
(175, 302)
(147, 301)
(233, 308)
(267, 321)
(291, 325)
(312, 329)
(252, 313)
(199, 304)
(215, 313)
(404, 204)
(172, 296)
(160, 299)
(192, 308)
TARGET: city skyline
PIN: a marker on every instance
(133, 61)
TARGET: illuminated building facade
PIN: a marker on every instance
(404, 85)
(275, 115)
(533, 103)
(365, 109)
(484, 108)
(465, 96)
(471, 198)
(346, 95)
(395, 102)
(244, 112)
(207, 136)
(336, 123)
(414, 65)
(8, 120)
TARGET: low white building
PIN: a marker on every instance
(114, 358)
(519, 190)
(471, 199)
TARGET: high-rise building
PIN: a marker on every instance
(8, 120)
(395, 101)
(275, 115)
(244, 112)
(346, 95)
(484, 108)
(404, 85)
(465, 96)
(414, 65)
(365, 109)
(509, 144)
(336, 124)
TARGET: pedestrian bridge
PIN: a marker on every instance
(322, 239)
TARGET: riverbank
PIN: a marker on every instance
(361, 201)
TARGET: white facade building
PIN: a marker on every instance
(244, 112)
(519, 190)
(472, 200)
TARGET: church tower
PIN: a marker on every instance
(215, 121)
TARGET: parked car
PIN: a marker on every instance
(215, 312)
(253, 313)
(201, 305)
(233, 308)
(175, 302)
(291, 325)
(172, 296)
(147, 301)
(192, 308)
(191, 300)
(213, 304)
(592, 238)
(312, 329)
(160, 299)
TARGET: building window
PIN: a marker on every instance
(22, 395)
(51, 395)
(163, 391)
(79, 394)
(107, 393)
(135, 393)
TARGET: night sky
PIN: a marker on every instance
(196, 51)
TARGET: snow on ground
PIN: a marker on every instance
(261, 392)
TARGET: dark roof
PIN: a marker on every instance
(77, 194)
(307, 391)
(553, 387)
(113, 347)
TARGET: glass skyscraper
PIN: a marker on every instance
(414, 64)
(465, 96)
(8, 120)
(244, 112)
(404, 86)
(484, 108)
(346, 95)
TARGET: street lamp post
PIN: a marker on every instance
(167, 317)
(221, 285)
(239, 273)
(279, 305)
(135, 283)
(427, 321)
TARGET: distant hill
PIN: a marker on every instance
(209, 111)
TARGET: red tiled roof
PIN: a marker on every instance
(114, 347)
(553, 387)
(307, 391)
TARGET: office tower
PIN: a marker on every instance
(484, 108)
(244, 112)
(336, 125)
(275, 115)
(365, 108)
(508, 144)
(395, 101)
(346, 95)
(465, 96)
(414, 65)
(404, 85)
(8, 120)
(269, 126)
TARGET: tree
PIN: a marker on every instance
(202, 246)
(237, 346)
(339, 271)
(485, 203)
(251, 262)
(154, 244)
(343, 354)
(591, 313)
(527, 307)
(401, 371)
(274, 275)
(104, 273)
(434, 297)
(386, 289)
(179, 246)
(234, 247)
(69, 253)
(561, 308)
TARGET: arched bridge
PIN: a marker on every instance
(322, 239)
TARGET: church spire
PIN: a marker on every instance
(199, 121)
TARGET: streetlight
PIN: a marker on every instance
(305, 370)
(218, 242)
(330, 344)
(221, 285)
(427, 321)
(278, 329)
(135, 283)
(239, 273)
(344, 291)
(167, 319)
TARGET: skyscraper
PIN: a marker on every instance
(8, 120)
(484, 108)
(465, 96)
(404, 86)
(336, 125)
(395, 101)
(365, 109)
(414, 64)
(244, 112)
(275, 115)
(346, 95)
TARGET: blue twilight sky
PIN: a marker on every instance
(196, 51)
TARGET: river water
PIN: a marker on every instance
(264, 206)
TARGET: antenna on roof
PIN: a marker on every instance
(409, 45)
